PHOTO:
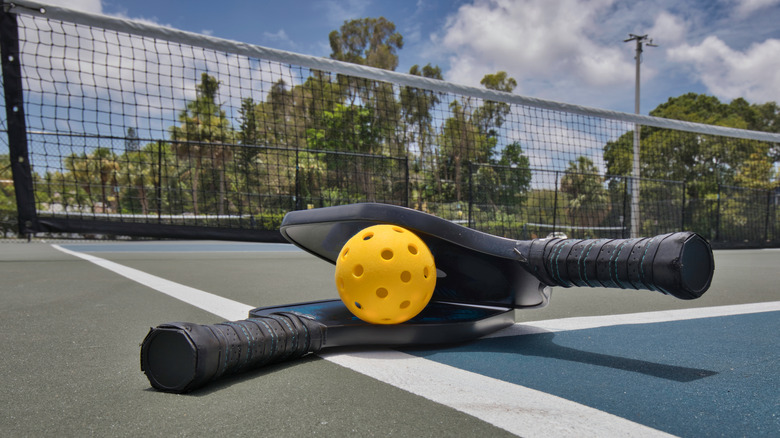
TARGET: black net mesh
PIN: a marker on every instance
(132, 129)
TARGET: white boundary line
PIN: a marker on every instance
(514, 408)
(588, 322)
(220, 306)
(523, 411)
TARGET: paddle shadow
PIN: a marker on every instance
(543, 345)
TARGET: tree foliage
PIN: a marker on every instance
(703, 161)
(588, 199)
(367, 41)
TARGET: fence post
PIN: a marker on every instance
(471, 190)
(406, 181)
(766, 223)
(555, 204)
(297, 195)
(625, 208)
(682, 212)
(717, 216)
(158, 183)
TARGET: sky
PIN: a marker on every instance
(569, 51)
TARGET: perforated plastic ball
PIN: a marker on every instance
(385, 274)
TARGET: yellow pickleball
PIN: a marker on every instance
(385, 274)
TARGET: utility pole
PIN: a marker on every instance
(640, 40)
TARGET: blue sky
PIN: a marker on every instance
(565, 50)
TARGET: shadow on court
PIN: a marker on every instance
(543, 345)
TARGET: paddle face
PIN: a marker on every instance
(438, 323)
(472, 267)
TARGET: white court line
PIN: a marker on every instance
(220, 306)
(523, 411)
(589, 322)
(515, 408)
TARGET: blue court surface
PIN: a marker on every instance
(703, 377)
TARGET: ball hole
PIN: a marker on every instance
(344, 254)
(406, 276)
(382, 292)
(412, 249)
(398, 230)
(425, 272)
(387, 254)
(358, 305)
(368, 235)
(405, 304)
(357, 271)
(341, 284)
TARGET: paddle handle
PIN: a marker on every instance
(679, 264)
(179, 357)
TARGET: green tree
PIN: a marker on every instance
(417, 111)
(142, 173)
(588, 198)
(491, 115)
(97, 169)
(204, 133)
(372, 42)
(461, 143)
(349, 128)
(518, 176)
(367, 41)
(504, 183)
(703, 161)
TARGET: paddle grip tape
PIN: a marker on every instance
(652, 263)
(180, 357)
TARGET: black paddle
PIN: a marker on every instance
(481, 278)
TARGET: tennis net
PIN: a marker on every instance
(124, 127)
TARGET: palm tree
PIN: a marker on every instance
(588, 198)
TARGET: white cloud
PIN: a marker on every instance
(747, 7)
(94, 6)
(669, 29)
(727, 73)
(535, 41)
(279, 38)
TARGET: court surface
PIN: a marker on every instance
(595, 362)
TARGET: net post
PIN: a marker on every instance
(21, 169)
